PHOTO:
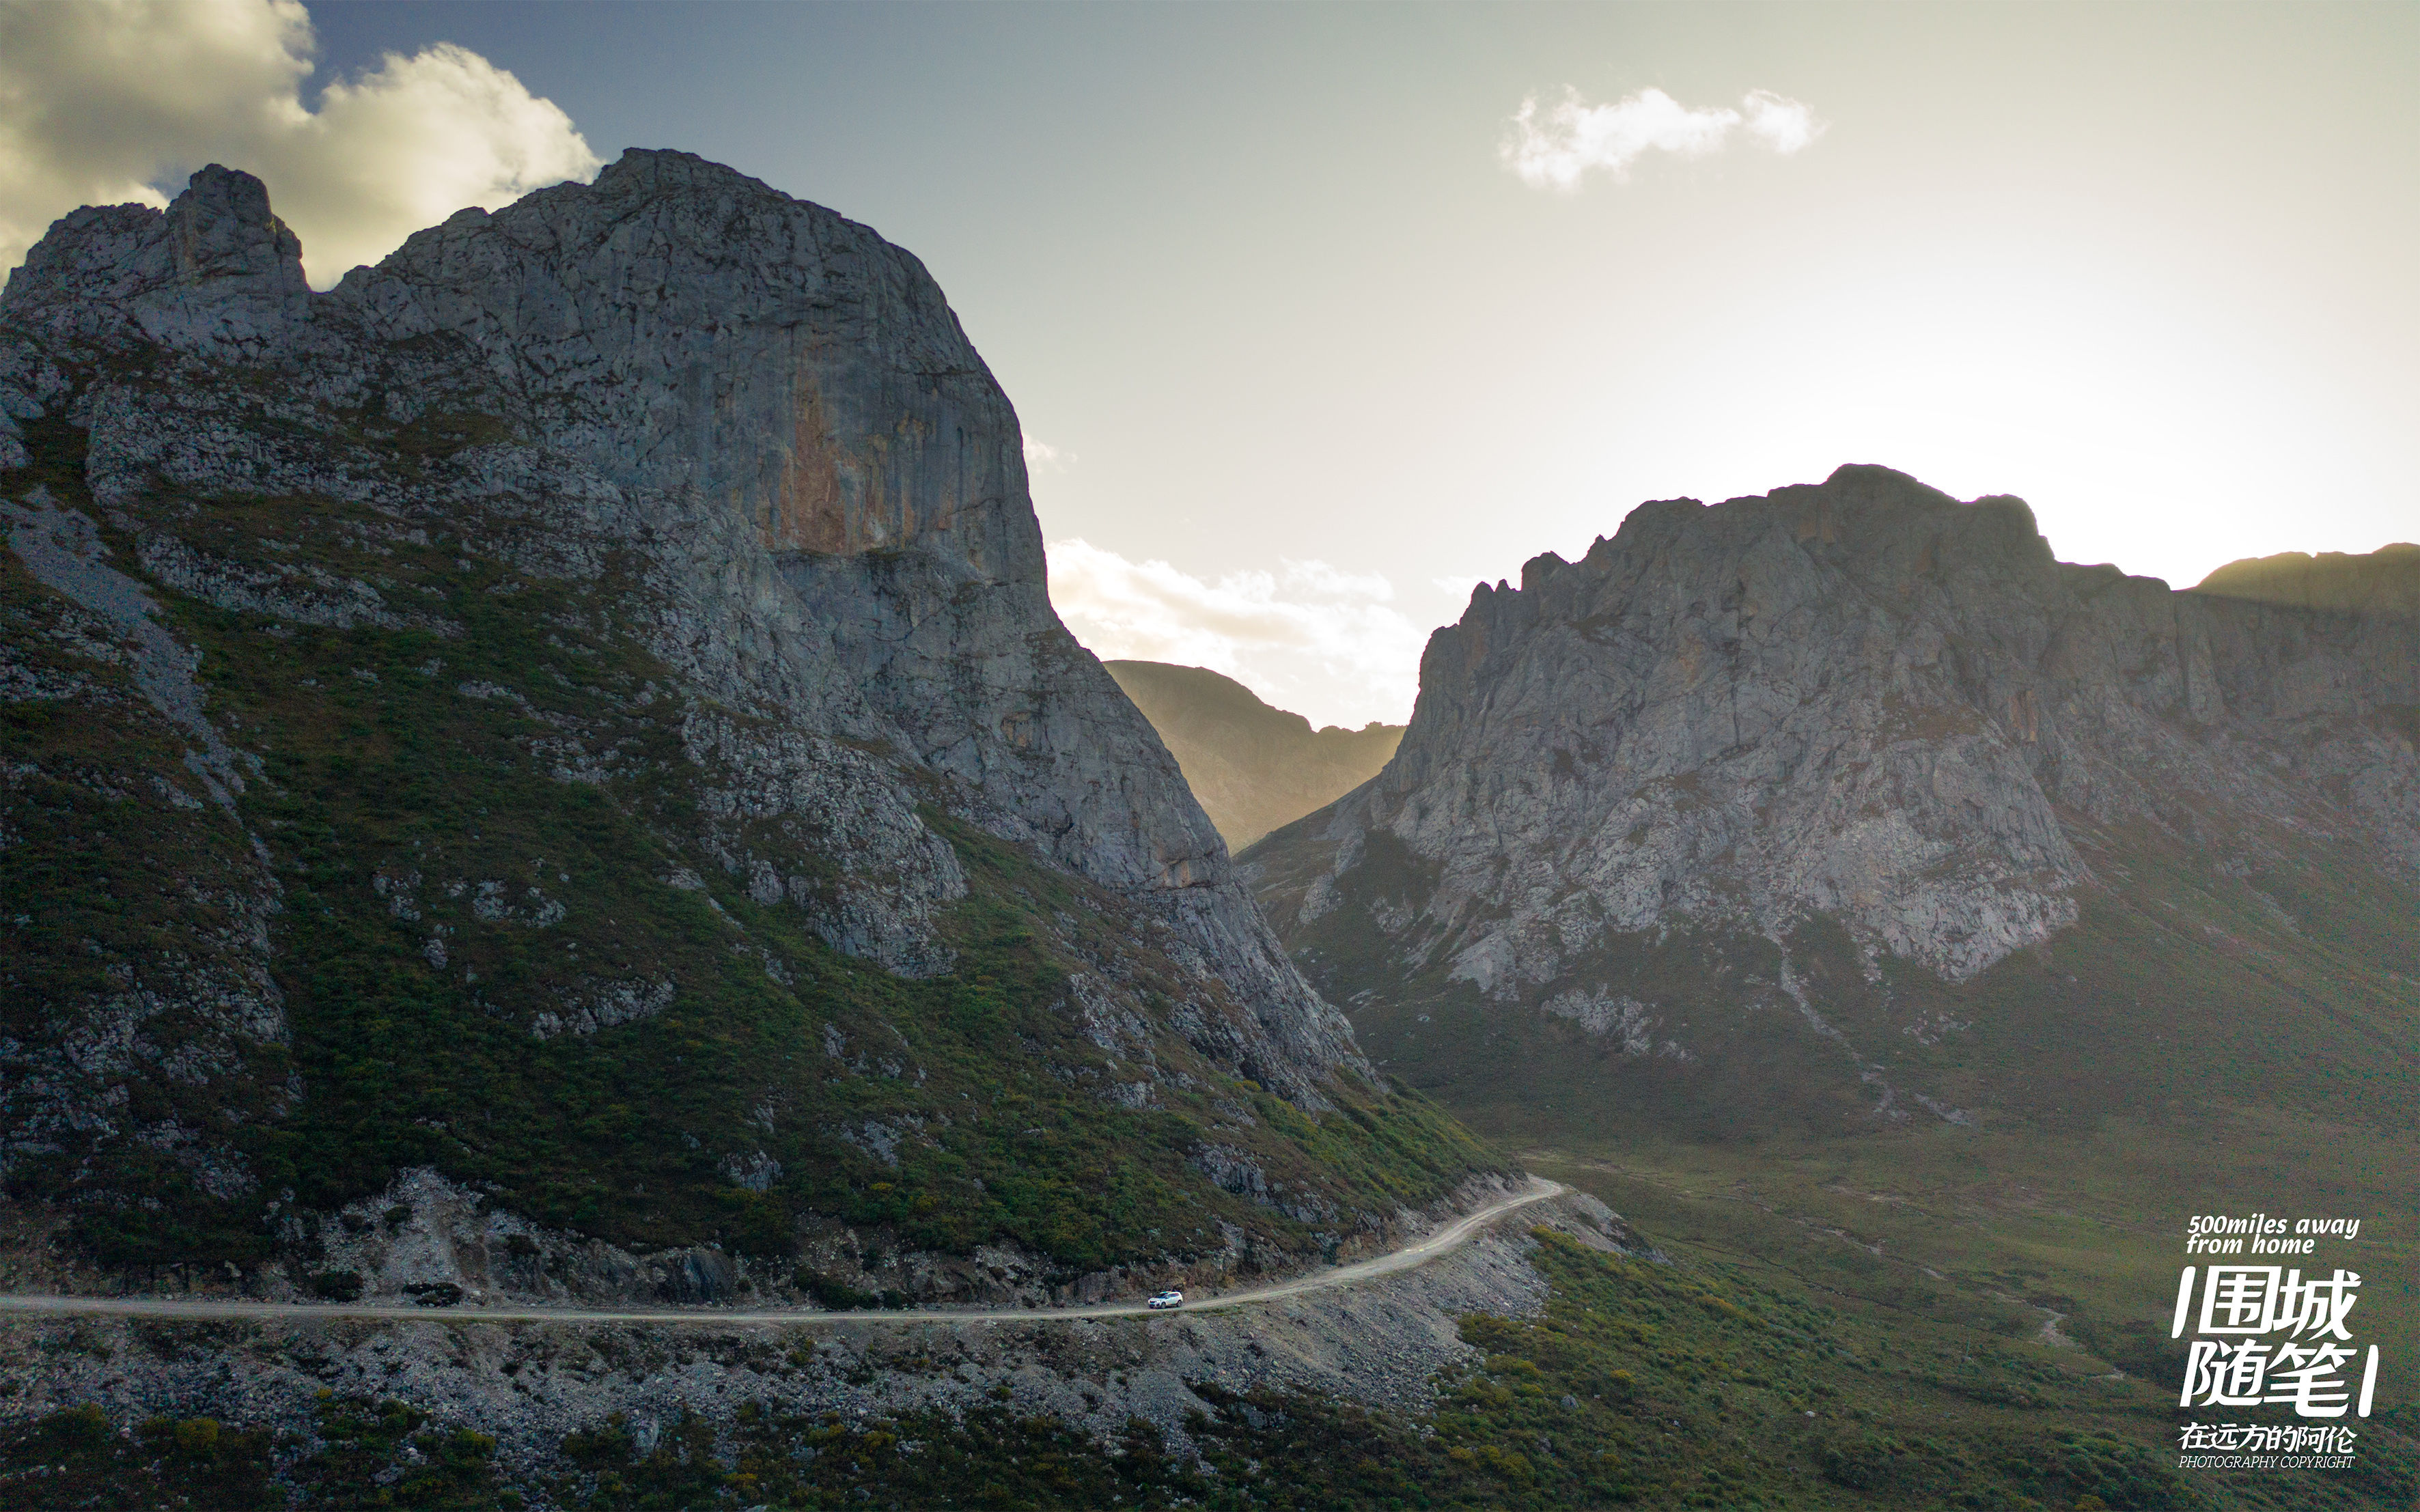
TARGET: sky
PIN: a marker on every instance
(1317, 315)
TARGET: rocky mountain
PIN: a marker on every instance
(1851, 804)
(547, 772)
(551, 768)
(1251, 766)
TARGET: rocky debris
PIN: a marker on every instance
(301, 594)
(198, 1002)
(1623, 1021)
(1235, 1171)
(610, 1004)
(828, 829)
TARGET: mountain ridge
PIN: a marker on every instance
(1254, 767)
(2384, 581)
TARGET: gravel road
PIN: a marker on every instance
(1408, 1258)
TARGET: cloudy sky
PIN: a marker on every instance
(1315, 316)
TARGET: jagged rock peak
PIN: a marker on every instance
(1862, 512)
(216, 261)
(675, 323)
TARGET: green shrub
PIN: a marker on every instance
(337, 1286)
(838, 1295)
(198, 1437)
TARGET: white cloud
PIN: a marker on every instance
(1308, 636)
(1041, 456)
(1554, 148)
(1778, 123)
(102, 100)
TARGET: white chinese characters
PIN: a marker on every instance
(2233, 1361)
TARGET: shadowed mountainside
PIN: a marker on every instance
(1254, 767)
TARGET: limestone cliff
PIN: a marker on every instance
(1253, 767)
(1861, 706)
(508, 644)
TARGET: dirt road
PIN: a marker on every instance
(1410, 1255)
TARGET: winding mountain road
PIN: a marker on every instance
(1409, 1258)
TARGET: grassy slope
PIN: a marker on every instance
(379, 765)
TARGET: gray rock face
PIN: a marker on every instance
(680, 328)
(740, 444)
(779, 407)
(216, 268)
(1863, 701)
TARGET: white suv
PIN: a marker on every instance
(1168, 1298)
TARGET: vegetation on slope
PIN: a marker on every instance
(2195, 1043)
(408, 795)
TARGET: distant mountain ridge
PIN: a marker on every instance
(1253, 767)
(2384, 581)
